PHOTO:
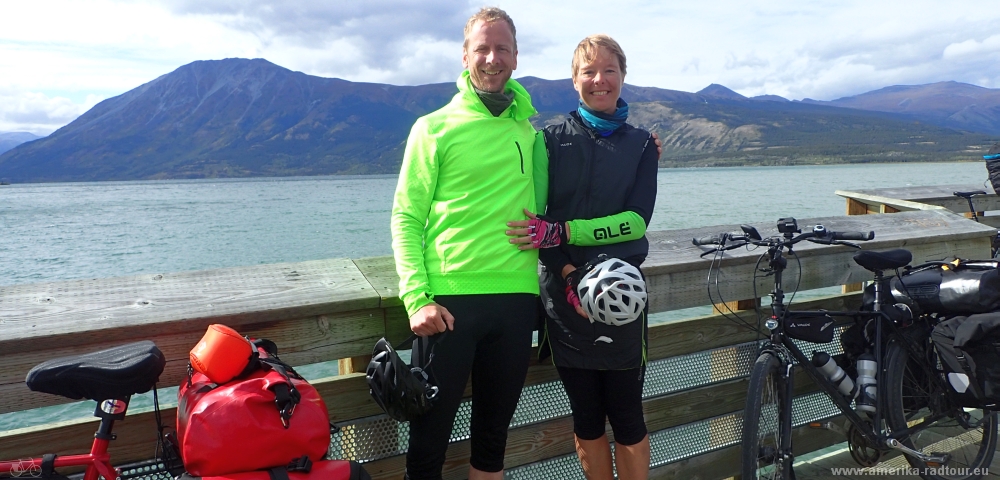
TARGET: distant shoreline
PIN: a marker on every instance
(725, 162)
(669, 165)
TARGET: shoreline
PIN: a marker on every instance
(669, 165)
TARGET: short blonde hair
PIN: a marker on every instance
(586, 51)
(489, 15)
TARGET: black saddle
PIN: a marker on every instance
(113, 373)
(880, 261)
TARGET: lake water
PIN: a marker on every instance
(62, 231)
(52, 232)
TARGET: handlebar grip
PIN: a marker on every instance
(712, 240)
(853, 235)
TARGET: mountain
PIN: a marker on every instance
(231, 118)
(716, 90)
(948, 104)
(242, 118)
(9, 140)
(770, 98)
(756, 132)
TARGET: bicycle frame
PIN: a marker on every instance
(780, 313)
(97, 462)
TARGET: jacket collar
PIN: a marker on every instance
(520, 108)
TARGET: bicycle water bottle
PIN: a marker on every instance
(836, 375)
(867, 367)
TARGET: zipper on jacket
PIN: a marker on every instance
(520, 154)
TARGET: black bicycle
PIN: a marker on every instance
(901, 399)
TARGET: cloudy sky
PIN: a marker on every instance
(59, 58)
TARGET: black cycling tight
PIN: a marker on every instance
(492, 341)
(615, 395)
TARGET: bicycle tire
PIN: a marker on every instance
(910, 397)
(760, 439)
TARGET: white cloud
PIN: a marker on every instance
(38, 113)
(989, 46)
(65, 50)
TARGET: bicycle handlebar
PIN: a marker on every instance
(819, 234)
(710, 240)
(861, 236)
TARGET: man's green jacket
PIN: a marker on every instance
(465, 174)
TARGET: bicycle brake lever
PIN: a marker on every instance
(842, 242)
(724, 248)
(712, 251)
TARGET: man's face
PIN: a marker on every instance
(490, 55)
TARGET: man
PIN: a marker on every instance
(469, 293)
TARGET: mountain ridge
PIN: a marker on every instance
(9, 140)
(250, 117)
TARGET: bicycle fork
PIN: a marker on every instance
(786, 397)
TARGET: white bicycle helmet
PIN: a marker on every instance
(612, 292)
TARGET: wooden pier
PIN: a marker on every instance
(336, 309)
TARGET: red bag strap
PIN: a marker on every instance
(301, 464)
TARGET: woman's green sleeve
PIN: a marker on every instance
(617, 228)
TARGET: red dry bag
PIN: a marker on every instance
(266, 418)
(322, 470)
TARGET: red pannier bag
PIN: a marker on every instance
(268, 417)
(322, 470)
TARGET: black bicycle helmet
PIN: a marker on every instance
(402, 391)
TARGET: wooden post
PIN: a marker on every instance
(855, 207)
(736, 305)
(354, 364)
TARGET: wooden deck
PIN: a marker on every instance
(901, 199)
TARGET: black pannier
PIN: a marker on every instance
(962, 288)
(969, 347)
(811, 328)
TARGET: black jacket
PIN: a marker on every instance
(591, 176)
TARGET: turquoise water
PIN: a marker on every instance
(51, 232)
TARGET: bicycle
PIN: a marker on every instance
(995, 247)
(110, 377)
(911, 411)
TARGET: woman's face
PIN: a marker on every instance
(600, 81)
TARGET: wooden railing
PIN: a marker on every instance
(902, 199)
(326, 310)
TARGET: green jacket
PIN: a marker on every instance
(465, 174)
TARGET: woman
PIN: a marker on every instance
(601, 191)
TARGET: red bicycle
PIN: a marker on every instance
(110, 377)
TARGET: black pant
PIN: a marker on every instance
(612, 394)
(492, 341)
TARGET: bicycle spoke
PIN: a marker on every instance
(913, 398)
(761, 440)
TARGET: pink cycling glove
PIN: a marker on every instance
(546, 233)
(572, 280)
(572, 297)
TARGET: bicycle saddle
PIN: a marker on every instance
(879, 261)
(112, 373)
(969, 194)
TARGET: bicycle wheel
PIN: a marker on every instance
(911, 397)
(761, 439)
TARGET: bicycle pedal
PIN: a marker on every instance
(939, 459)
